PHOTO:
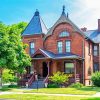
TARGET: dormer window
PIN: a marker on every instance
(64, 34)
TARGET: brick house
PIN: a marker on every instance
(64, 47)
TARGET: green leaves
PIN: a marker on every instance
(96, 79)
(59, 78)
(12, 50)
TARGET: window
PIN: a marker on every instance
(68, 46)
(64, 34)
(96, 67)
(32, 50)
(69, 68)
(95, 50)
(60, 47)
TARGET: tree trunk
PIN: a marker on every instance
(0, 78)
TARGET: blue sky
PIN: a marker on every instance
(84, 13)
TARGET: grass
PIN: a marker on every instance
(42, 97)
(81, 91)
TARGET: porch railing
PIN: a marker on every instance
(30, 81)
(46, 79)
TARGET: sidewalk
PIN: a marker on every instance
(96, 95)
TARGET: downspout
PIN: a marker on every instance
(99, 56)
(83, 62)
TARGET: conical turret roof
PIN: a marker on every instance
(35, 26)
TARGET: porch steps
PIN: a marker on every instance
(37, 84)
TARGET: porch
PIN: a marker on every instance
(45, 63)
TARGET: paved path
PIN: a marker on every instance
(96, 95)
(2, 93)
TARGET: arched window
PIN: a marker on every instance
(64, 34)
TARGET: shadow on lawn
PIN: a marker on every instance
(90, 88)
(5, 89)
(91, 99)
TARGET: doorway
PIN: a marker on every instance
(45, 69)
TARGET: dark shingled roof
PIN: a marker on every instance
(60, 56)
(35, 26)
(94, 35)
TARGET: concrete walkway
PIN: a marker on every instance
(96, 95)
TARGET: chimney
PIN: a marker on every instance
(98, 25)
(84, 29)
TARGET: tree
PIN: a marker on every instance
(12, 50)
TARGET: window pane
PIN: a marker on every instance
(32, 45)
(95, 53)
(69, 68)
(67, 46)
(95, 47)
(59, 47)
(32, 50)
(63, 34)
(96, 67)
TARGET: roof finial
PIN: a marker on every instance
(37, 12)
(63, 12)
(67, 15)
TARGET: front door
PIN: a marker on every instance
(45, 69)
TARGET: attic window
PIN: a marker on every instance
(64, 34)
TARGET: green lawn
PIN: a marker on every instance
(42, 97)
(84, 90)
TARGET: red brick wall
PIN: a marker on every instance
(37, 39)
(75, 38)
(88, 60)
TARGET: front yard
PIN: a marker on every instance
(81, 91)
(42, 97)
(25, 94)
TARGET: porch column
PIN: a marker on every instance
(32, 68)
(75, 70)
(54, 66)
(48, 66)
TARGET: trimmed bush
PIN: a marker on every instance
(13, 86)
(52, 85)
(76, 85)
(96, 79)
(59, 78)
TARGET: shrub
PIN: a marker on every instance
(76, 85)
(52, 85)
(8, 77)
(96, 79)
(59, 78)
(12, 86)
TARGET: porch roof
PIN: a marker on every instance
(51, 55)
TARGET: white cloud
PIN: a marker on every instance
(86, 13)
